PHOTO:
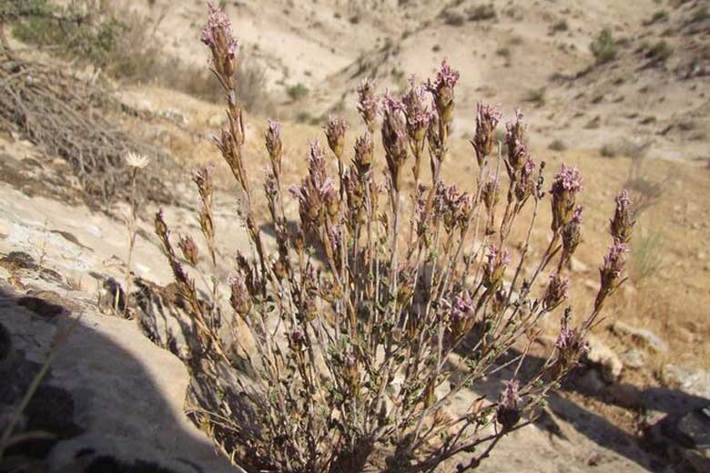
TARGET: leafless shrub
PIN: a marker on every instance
(645, 191)
(453, 17)
(626, 148)
(348, 371)
(536, 96)
(66, 117)
(124, 46)
(557, 145)
(604, 46)
(481, 12)
(646, 257)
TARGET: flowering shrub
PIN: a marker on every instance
(349, 368)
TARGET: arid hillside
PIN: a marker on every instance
(620, 90)
(636, 113)
(647, 88)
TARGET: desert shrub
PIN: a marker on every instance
(603, 47)
(91, 34)
(627, 148)
(559, 26)
(453, 18)
(557, 145)
(608, 151)
(17, 9)
(646, 257)
(202, 84)
(658, 16)
(356, 311)
(297, 91)
(536, 96)
(481, 12)
(645, 191)
(659, 52)
(503, 52)
(701, 13)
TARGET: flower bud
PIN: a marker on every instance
(218, 36)
(331, 201)
(489, 193)
(280, 268)
(335, 133)
(442, 88)
(394, 138)
(610, 272)
(571, 233)
(507, 413)
(463, 309)
(570, 344)
(516, 143)
(298, 241)
(556, 292)
(525, 183)
(363, 153)
(405, 290)
(622, 223)
(189, 249)
(297, 339)
(564, 191)
(496, 262)
(161, 228)
(272, 139)
(240, 297)
(487, 118)
(367, 104)
(418, 113)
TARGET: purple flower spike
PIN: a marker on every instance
(218, 29)
(569, 179)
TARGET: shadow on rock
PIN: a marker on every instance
(656, 450)
(110, 402)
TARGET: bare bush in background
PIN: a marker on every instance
(124, 46)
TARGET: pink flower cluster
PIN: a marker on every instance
(219, 28)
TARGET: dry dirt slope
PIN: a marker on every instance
(510, 52)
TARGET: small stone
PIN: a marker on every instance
(642, 336)
(18, 260)
(577, 266)
(692, 381)
(633, 358)
(594, 459)
(696, 427)
(685, 335)
(600, 355)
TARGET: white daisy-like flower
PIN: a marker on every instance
(137, 160)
